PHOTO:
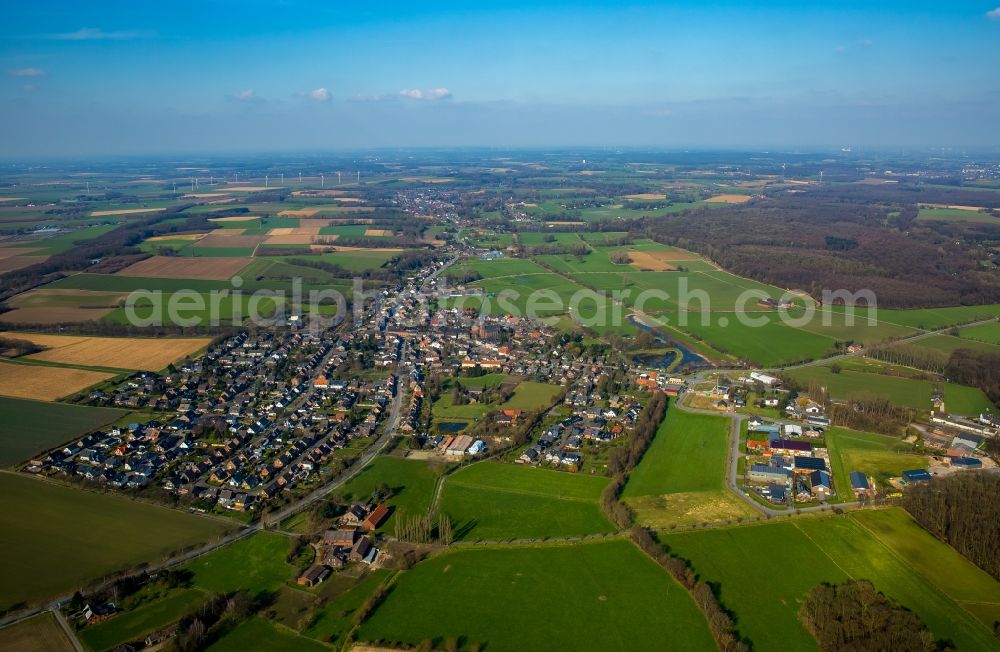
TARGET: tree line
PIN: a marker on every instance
(962, 510)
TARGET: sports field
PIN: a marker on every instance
(763, 572)
(410, 482)
(681, 478)
(44, 382)
(493, 501)
(581, 597)
(30, 427)
(151, 354)
(67, 537)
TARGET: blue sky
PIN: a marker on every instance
(136, 77)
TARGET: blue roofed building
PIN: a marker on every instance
(809, 464)
(860, 483)
(916, 475)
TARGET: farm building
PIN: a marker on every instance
(916, 475)
(376, 517)
(860, 483)
(313, 576)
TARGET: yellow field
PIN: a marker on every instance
(646, 195)
(957, 207)
(377, 232)
(126, 211)
(251, 188)
(647, 260)
(10, 263)
(729, 199)
(3, 199)
(45, 383)
(119, 352)
(300, 212)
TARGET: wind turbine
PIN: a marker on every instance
(265, 181)
(322, 180)
(338, 178)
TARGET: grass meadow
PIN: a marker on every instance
(581, 597)
(411, 483)
(493, 501)
(681, 478)
(764, 571)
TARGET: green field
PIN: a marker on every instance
(989, 333)
(878, 456)
(764, 571)
(260, 634)
(908, 392)
(141, 621)
(411, 482)
(255, 564)
(66, 537)
(681, 478)
(596, 596)
(493, 501)
(30, 427)
(529, 395)
(935, 318)
(333, 619)
(956, 215)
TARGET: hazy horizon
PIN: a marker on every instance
(128, 79)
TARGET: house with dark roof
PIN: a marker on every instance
(767, 473)
(809, 464)
(860, 484)
(916, 475)
(822, 484)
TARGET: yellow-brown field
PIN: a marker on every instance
(126, 211)
(7, 199)
(11, 263)
(318, 193)
(646, 195)
(250, 188)
(377, 232)
(317, 247)
(563, 223)
(47, 306)
(44, 383)
(223, 239)
(956, 207)
(646, 260)
(216, 269)
(300, 212)
(177, 236)
(728, 199)
(141, 353)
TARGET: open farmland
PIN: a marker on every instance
(491, 501)
(82, 536)
(764, 590)
(147, 618)
(596, 587)
(681, 477)
(30, 427)
(39, 633)
(119, 352)
(44, 382)
(257, 633)
(220, 269)
(55, 306)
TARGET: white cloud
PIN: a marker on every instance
(320, 94)
(27, 72)
(247, 95)
(993, 14)
(432, 94)
(98, 34)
